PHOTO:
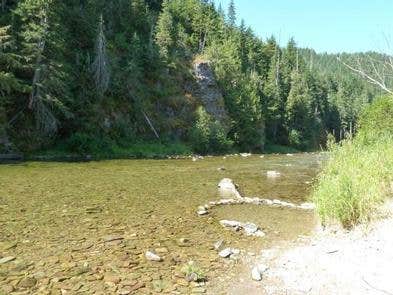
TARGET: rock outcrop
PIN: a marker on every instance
(209, 92)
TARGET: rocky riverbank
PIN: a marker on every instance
(330, 262)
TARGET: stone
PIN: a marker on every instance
(27, 283)
(137, 286)
(108, 239)
(161, 250)
(218, 245)
(250, 228)
(228, 189)
(152, 256)
(111, 278)
(231, 224)
(227, 252)
(245, 155)
(202, 212)
(6, 259)
(257, 272)
(307, 206)
(124, 291)
(273, 174)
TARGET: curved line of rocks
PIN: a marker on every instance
(203, 210)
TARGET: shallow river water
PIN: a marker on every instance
(84, 228)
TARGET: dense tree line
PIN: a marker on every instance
(96, 73)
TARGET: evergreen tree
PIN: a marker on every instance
(232, 14)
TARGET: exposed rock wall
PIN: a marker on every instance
(209, 92)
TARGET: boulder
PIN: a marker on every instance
(228, 189)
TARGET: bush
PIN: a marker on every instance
(377, 120)
(357, 178)
(208, 136)
(82, 143)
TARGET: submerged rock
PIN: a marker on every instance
(7, 259)
(227, 252)
(257, 272)
(273, 174)
(228, 189)
(250, 229)
(152, 256)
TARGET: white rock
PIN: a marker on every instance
(307, 206)
(202, 212)
(255, 274)
(273, 174)
(152, 256)
(231, 223)
(227, 252)
(259, 234)
(228, 189)
(245, 155)
(250, 228)
(6, 259)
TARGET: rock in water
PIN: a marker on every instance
(228, 189)
(255, 274)
(250, 228)
(152, 256)
(227, 252)
(273, 174)
(6, 259)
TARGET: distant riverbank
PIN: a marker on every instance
(134, 151)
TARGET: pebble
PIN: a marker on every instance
(152, 256)
(27, 283)
(257, 271)
(112, 278)
(202, 212)
(227, 252)
(7, 259)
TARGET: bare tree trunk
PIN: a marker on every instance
(378, 77)
(151, 125)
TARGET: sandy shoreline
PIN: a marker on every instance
(330, 262)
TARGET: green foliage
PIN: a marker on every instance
(358, 176)
(377, 120)
(193, 272)
(75, 67)
(208, 136)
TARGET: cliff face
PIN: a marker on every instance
(209, 92)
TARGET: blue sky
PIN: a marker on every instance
(324, 25)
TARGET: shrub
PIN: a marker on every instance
(82, 143)
(377, 120)
(357, 178)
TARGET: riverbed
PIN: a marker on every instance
(85, 227)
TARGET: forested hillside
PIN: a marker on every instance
(92, 75)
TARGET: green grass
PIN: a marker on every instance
(355, 182)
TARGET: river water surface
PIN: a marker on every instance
(84, 228)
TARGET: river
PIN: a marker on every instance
(85, 227)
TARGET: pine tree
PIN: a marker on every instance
(42, 45)
(165, 34)
(232, 14)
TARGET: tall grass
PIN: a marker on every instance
(358, 177)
